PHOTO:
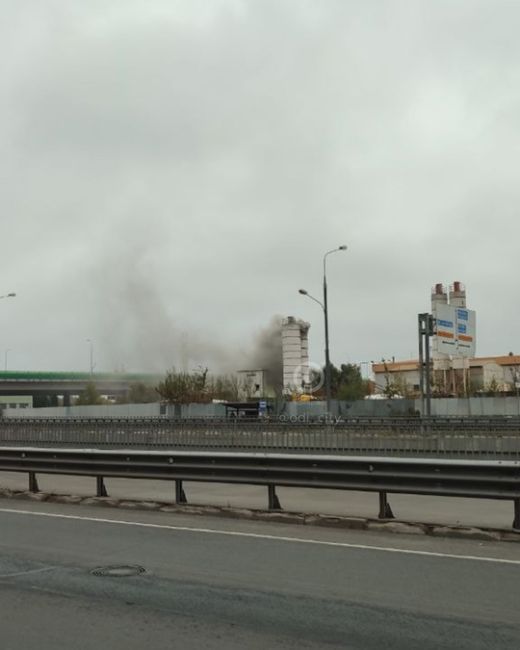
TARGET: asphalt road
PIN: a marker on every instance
(228, 584)
(428, 509)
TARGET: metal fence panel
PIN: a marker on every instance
(453, 437)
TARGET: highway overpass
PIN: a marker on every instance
(67, 384)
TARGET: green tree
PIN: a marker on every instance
(42, 401)
(90, 396)
(346, 382)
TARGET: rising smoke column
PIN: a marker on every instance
(266, 354)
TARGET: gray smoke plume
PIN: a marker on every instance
(138, 328)
(266, 353)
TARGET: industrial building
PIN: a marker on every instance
(252, 384)
(483, 375)
(15, 402)
(454, 368)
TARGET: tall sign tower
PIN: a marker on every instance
(454, 337)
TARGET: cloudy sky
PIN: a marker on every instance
(172, 172)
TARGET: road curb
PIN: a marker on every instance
(284, 517)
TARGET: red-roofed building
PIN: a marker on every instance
(479, 375)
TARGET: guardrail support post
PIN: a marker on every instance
(385, 511)
(516, 522)
(273, 501)
(101, 490)
(180, 495)
(33, 482)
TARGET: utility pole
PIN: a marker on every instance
(325, 307)
(92, 365)
(426, 324)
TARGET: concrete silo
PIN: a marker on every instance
(295, 350)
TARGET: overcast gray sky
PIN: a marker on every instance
(173, 171)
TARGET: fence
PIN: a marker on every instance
(436, 437)
(458, 407)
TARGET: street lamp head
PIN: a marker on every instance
(303, 292)
(343, 247)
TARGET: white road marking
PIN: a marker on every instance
(276, 538)
(28, 572)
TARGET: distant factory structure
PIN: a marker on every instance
(453, 343)
(295, 352)
(291, 362)
(454, 368)
(252, 384)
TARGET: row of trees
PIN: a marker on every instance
(397, 386)
(200, 387)
(180, 387)
(176, 388)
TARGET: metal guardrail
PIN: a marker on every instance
(476, 479)
(430, 437)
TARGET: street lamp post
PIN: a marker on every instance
(324, 305)
(5, 358)
(515, 372)
(11, 294)
(91, 344)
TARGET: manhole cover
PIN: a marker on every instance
(118, 570)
